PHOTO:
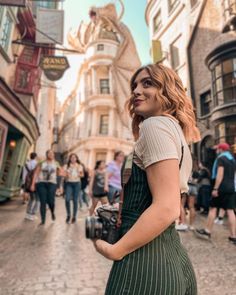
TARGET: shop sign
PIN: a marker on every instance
(49, 26)
(21, 3)
(54, 66)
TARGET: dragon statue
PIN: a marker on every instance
(106, 24)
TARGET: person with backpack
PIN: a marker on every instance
(33, 203)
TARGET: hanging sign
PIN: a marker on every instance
(54, 66)
(49, 26)
(21, 3)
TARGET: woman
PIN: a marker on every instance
(98, 186)
(114, 177)
(73, 173)
(46, 176)
(149, 258)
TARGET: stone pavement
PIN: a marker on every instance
(57, 259)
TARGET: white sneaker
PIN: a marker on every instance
(181, 227)
(219, 221)
(29, 217)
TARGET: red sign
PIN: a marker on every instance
(13, 2)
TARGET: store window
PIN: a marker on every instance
(104, 86)
(157, 21)
(172, 4)
(6, 31)
(103, 129)
(224, 82)
(205, 101)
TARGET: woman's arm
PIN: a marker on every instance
(91, 183)
(106, 182)
(35, 176)
(163, 180)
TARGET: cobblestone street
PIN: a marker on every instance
(57, 259)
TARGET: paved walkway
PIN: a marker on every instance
(57, 259)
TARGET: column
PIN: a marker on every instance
(111, 122)
(94, 80)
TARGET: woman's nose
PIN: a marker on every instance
(137, 91)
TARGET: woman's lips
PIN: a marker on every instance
(137, 102)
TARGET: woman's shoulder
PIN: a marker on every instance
(165, 122)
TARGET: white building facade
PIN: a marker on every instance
(171, 23)
(91, 126)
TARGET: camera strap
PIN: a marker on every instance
(125, 175)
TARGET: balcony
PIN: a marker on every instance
(229, 14)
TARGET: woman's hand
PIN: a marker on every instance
(215, 193)
(32, 187)
(107, 250)
(106, 189)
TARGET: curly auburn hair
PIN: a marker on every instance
(172, 97)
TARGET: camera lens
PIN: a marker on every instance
(93, 228)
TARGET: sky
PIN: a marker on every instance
(77, 11)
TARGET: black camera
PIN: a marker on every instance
(103, 226)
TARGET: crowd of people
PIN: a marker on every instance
(42, 180)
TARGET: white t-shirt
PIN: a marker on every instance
(160, 139)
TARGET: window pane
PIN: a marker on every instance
(205, 100)
(220, 98)
(230, 129)
(172, 4)
(228, 95)
(157, 21)
(219, 84)
(175, 48)
(227, 66)
(103, 124)
(104, 86)
(193, 2)
(218, 71)
(1, 14)
(6, 31)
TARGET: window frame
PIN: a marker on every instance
(103, 125)
(203, 102)
(100, 47)
(171, 7)
(104, 89)
(156, 27)
(173, 64)
(218, 78)
(6, 30)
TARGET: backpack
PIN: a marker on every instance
(28, 179)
